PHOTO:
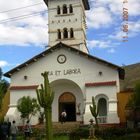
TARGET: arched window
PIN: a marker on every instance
(65, 33)
(59, 34)
(70, 9)
(102, 104)
(65, 9)
(71, 33)
(58, 10)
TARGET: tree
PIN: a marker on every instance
(134, 100)
(45, 97)
(137, 95)
(133, 105)
(2, 93)
(27, 107)
(0, 73)
(3, 88)
(94, 111)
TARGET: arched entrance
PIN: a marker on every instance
(67, 102)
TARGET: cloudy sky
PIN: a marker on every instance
(23, 31)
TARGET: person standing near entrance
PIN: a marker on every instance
(63, 117)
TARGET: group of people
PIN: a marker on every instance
(9, 130)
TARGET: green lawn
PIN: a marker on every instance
(61, 138)
(129, 137)
(55, 138)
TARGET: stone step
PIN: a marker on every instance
(61, 128)
(65, 127)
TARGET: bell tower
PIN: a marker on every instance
(67, 22)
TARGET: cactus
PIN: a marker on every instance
(45, 97)
(94, 111)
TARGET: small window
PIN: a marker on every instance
(59, 33)
(70, 9)
(58, 10)
(65, 9)
(71, 33)
(65, 33)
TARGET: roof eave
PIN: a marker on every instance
(46, 2)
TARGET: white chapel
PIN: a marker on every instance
(74, 74)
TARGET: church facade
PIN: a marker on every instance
(74, 74)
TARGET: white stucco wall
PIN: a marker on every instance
(89, 70)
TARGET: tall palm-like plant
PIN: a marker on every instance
(45, 97)
(1, 94)
(0, 73)
(3, 88)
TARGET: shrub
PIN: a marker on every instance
(81, 132)
(134, 136)
(108, 133)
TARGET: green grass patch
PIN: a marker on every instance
(135, 136)
(61, 137)
(128, 137)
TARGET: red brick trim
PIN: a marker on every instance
(23, 87)
(108, 83)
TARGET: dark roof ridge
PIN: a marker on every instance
(129, 65)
